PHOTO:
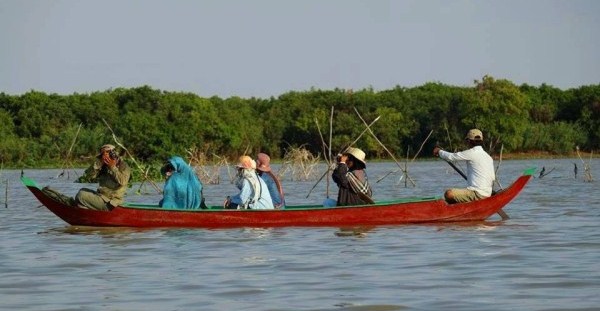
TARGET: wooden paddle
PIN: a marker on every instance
(500, 212)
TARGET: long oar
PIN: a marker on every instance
(500, 212)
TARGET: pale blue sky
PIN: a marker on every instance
(265, 48)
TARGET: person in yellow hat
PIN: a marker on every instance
(253, 192)
(480, 170)
(351, 178)
(112, 174)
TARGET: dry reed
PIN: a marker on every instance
(299, 164)
(208, 170)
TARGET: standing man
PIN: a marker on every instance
(112, 174)
(480, 170)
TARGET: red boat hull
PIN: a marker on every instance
(387, 213)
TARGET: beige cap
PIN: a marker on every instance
(107, 147)
(474, 134)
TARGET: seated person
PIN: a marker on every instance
(351, 178)
(112, 175)
(254, 193)
(480, 170)
(182, 189)
(263, 168)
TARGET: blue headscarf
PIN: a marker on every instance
(182, 189)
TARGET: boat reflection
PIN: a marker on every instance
(360, 232)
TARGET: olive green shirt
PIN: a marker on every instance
(112, 182)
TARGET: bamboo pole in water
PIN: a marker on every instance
(413, 159)
(383, 146)
(5, 189)
(587, 170)
(343, 150)
(326, 151)
(67, 162)
(6, 195)
(330, 153)
(497, 180)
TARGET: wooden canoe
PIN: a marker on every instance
(404, 211)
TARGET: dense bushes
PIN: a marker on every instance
(38, 128)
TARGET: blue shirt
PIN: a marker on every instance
(273, 190)
(245, 198)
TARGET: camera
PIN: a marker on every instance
(113, 155)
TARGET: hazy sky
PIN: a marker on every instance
(265, 48)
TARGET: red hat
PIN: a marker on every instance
(263, 162)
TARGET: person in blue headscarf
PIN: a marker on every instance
(183, 189)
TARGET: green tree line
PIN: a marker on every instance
(38, 129)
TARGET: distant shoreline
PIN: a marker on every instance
(544, 155)
(505, 156)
